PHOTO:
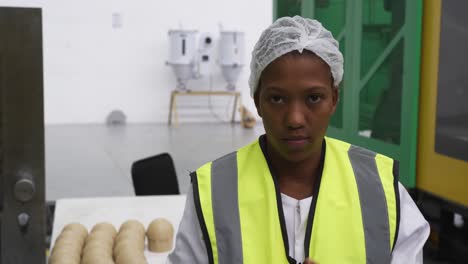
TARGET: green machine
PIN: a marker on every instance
(381, 44)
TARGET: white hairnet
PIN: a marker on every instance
(295, 33)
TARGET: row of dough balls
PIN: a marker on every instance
(105, 245)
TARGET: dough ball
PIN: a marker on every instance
(67, 245)
(133, 225)
(73, 234)
(131, 257)
(108, 245)
(98, 261)
(64, 255)
(130, 235)
(96, 247)
(102, 237)
(160, 235)
(108, 228)
(61, 240)
(63, 260)
(138, 244)
(77, 227)
(96, 257)
(128, 245)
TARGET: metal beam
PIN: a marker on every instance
(308, 8)
(381, 59)
(22, 137)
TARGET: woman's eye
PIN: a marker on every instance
(314, 99)
(276, 99)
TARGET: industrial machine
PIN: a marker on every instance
(189, 59)
(442, 175)
(22, 198)
(192, 60)
(404, 94)
(231, 56)
(182, 55)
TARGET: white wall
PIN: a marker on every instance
(91, 68)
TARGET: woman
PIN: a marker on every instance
(295, 195)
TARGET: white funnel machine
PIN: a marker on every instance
(231, 56)
(182, 55)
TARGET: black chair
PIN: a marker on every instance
(155, 175)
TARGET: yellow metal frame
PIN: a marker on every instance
(441, 175)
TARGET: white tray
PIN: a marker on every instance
(116, 210)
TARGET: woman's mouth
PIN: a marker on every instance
(296, 142)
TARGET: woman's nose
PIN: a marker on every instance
(295, 116)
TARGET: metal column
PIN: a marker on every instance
(22, 218)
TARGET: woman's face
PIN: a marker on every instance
(296, 99)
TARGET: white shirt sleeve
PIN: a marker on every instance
(413, 232)
(190, 246)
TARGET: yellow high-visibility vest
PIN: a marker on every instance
(353, 217)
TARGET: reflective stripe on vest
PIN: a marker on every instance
(355, 217)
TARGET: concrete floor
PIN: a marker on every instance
(95, 160)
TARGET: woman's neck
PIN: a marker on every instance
(296, 179)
